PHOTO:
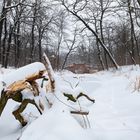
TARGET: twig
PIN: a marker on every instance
(79, 112)
(82, 94)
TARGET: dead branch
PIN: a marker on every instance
(82, 94)
(35, 76)
(50, 73)
(28, 83)
(3, 101)
(35, 88)
(17, 86)
(21, 108)
(79, 112)
(14, 90)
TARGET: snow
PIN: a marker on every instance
(115, 115)
(23, 72)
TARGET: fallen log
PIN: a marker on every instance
(14, 91)
(17, 86)
(28, 83)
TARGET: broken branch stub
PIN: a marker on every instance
(88, 98)
(35, 76)
(28, 83)
(50, 73)
(16, 87)
(3, 101)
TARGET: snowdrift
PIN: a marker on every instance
(114, 116)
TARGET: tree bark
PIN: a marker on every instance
(8, 47)
(3, 101)
(132, 33)
(32, 32)
(2, 19)
(4, 42)
(101, 31)
(50, 73)
(21, 108)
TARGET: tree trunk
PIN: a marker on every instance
(99, 55)
(65, 60)
(40, 45)
(101, 31)
(98, 48)
(132, 33)
(4, 42)
(58, 51)
(17, 45)
(32, 32)
(8, 46)
(3, 101)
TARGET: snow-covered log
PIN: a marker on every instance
(23, 72)
(15, 85)
(14, 91)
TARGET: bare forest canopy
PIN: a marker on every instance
(99, 33)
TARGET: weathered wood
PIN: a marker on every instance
(3, 101)
(79, 112)
(28, 83)
(14, 90)
(50, 73)
(70, 97)
(82, 94)
(21, 108)
(35, 88)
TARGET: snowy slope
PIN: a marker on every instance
(114, 116)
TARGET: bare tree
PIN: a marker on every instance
(71, 47)
(104, 6)
(133, 38)
(74, 12)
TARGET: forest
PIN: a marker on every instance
(99, 33)
(69, 69)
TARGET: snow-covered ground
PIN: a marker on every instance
(114, 116)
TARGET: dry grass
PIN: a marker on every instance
(135, 85)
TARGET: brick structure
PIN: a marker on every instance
(79, 68)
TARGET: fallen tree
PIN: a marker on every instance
(15, 91)
(30, 85)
